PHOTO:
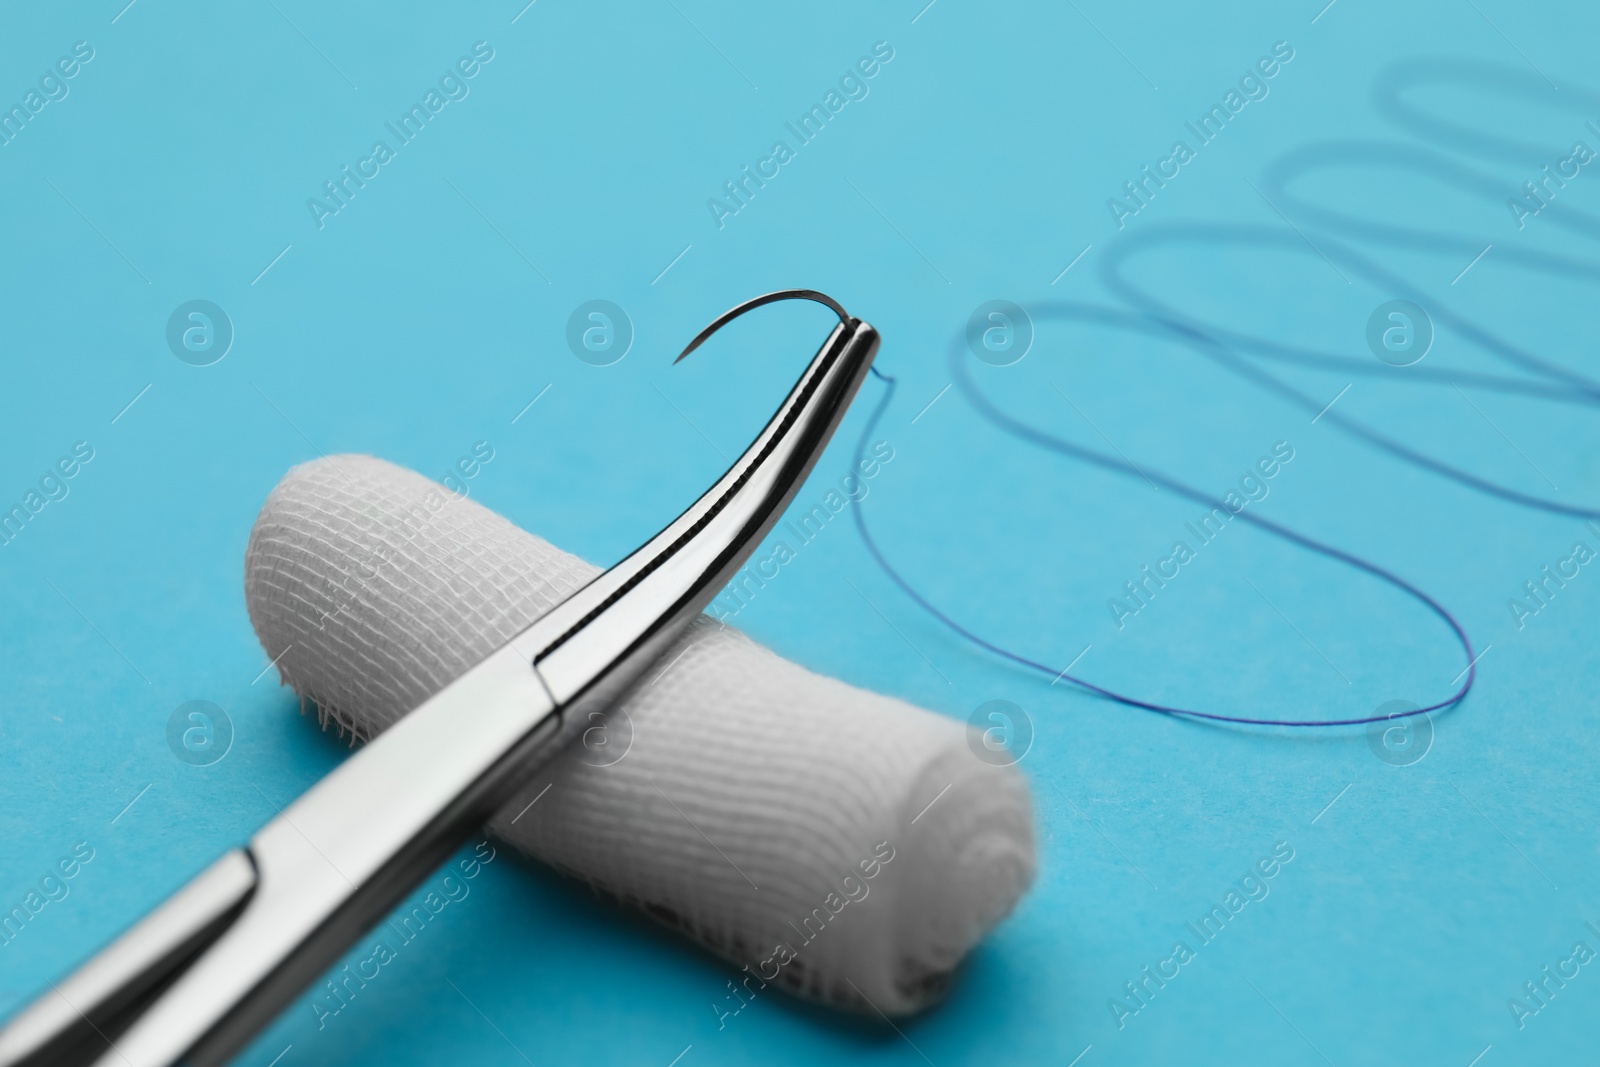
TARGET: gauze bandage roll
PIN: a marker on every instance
(839, 844)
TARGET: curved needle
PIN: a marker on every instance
(770, 298)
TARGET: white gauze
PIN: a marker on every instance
(845, 846)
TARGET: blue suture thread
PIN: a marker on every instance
(1581, 389)
(1578, 389)
(1120, 466)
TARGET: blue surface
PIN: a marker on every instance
(431, 308)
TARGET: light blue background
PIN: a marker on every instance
(978, 167)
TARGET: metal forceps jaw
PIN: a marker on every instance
(198, 977)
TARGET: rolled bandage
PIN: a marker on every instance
(842, 845)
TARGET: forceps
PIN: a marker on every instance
(195, 979)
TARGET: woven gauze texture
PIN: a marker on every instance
(842, 845)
